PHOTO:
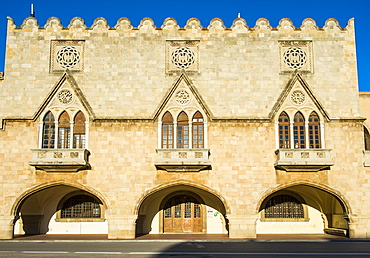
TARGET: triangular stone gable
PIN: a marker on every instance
(65, 95)
(182, 95)
(297, 96)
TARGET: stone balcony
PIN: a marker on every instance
(182, 160)
(303, 160)
(60, 160)
(367, 158)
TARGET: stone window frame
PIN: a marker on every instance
(71, 195)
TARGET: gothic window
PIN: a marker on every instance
(299, 131)
(81, 206)
(48, 136)
(314, 131)
(366, 138)
(284, 129)
(64, 129)
(182, 131)
(79, 135)
(198, 130)
(284, 207)
(167, 131)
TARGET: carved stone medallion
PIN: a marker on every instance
(297, 97)
(182, 55)
(182, 97)
(65, 97)
(67, 54)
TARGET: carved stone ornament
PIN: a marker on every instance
(297, 97)
(68, 57)
(182, 97)
(182, 55)
(296, 55)
(65, 97)
(67, 54)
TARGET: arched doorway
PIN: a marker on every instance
(59, 208)
(183, 214)
(302, 209)
(181, 207)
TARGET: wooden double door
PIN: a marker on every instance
(182, 214)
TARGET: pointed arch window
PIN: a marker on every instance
(182, 131)
(167, 131)
(284, 131)
(48, 135)
(64, 131)
(198, 130)
(79, 131)
(299, 131)
(314, 131)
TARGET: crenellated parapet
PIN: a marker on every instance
(216, 25)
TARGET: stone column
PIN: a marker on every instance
(359, 226)
(121, 226)
(242, 226)
(31, 223)
(6, 227)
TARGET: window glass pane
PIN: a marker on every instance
(48, 135)
(284, 206)
(284, 132)
(81, 206)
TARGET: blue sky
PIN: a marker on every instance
(205, 11)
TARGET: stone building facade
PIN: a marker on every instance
(128, 131)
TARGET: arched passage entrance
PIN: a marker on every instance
(302, 208)
(60, 208)
(181, 207)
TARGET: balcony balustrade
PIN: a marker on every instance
(303, 160)
(60, 160)
(182, 160)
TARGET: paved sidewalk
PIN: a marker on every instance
(154, 237)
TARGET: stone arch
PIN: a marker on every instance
(335, 193)
(325, 210)
(35, 209)
(149, 208)
(18, 202)
(159, 188)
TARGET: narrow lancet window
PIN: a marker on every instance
(48, 136)
(167, 131)
(64, 130)
(198, 130)
(182, 131)
(299, 131)
(79, 134)
(314, 131)
(284, 132)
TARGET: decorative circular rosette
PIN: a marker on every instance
(295, 57)
(68, 57)
(183, 57)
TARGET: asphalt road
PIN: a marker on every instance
(139, 249)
